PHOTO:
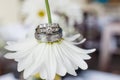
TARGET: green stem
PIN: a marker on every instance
(48, 11)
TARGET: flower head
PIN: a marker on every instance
(49, 53)
(35, 12)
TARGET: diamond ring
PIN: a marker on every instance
(48, 32)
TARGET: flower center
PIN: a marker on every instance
(58, 41)
(41, 13)
(37, 75)
(50, 43)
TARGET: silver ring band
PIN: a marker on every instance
(48, 32)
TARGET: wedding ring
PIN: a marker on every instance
(48, 32)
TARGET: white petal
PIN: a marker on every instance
(51, 63)
(66, 62)
(74, 65)
(25, 63)
(21, 46)
(38, 62)
(80, 42)
(61, 70)
(76, 59)
(67, 55)
(29, 59)
(73, 37)
(9, 55)
(43, 72)
(83, 56)
(75, 48)
(18, 55)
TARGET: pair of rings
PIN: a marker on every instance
(48, 32)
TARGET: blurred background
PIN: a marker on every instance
(97, 20)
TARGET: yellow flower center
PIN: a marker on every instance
(58, 41)
(50, 43)
(41, 13)
(37, 76)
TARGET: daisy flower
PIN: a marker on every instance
(35, 12)
(48, 53)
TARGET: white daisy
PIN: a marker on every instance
(35, 12)
(48, 54)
